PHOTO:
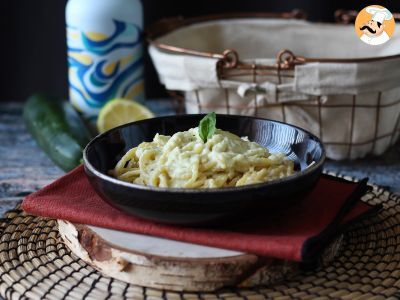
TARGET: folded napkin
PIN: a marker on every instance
(298, 233)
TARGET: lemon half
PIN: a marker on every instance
(121, 111)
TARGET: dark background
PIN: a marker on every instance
(33, 46)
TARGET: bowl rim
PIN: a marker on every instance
(310, 169)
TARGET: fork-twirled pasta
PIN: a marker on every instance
(185, 161)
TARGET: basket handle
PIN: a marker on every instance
(166, 25)
(343, 16)
(229, 59)
(285, 60)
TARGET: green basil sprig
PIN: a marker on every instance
(207, 126)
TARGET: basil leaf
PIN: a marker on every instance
(207, 126)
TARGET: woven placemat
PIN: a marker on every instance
(35, 264)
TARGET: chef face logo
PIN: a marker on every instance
(374, 25)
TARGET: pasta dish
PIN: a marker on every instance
(185, 160)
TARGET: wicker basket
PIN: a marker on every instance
(351, 101)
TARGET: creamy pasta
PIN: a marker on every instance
(184, 160)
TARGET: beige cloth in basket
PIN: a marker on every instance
(354, 107)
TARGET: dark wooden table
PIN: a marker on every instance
(24, 168)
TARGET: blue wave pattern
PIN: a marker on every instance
(105, 68)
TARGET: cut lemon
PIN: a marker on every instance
(121, 111)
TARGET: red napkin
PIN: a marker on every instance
(297, 234)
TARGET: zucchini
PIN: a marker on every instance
(57, 129)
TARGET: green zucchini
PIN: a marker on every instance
(57, 129)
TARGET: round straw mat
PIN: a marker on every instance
(35, 264)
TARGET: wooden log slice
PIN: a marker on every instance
(167, 264)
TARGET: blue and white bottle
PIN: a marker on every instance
(105, 52)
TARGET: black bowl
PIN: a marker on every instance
(204, 206)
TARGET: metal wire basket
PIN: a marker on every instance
(228, 64)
